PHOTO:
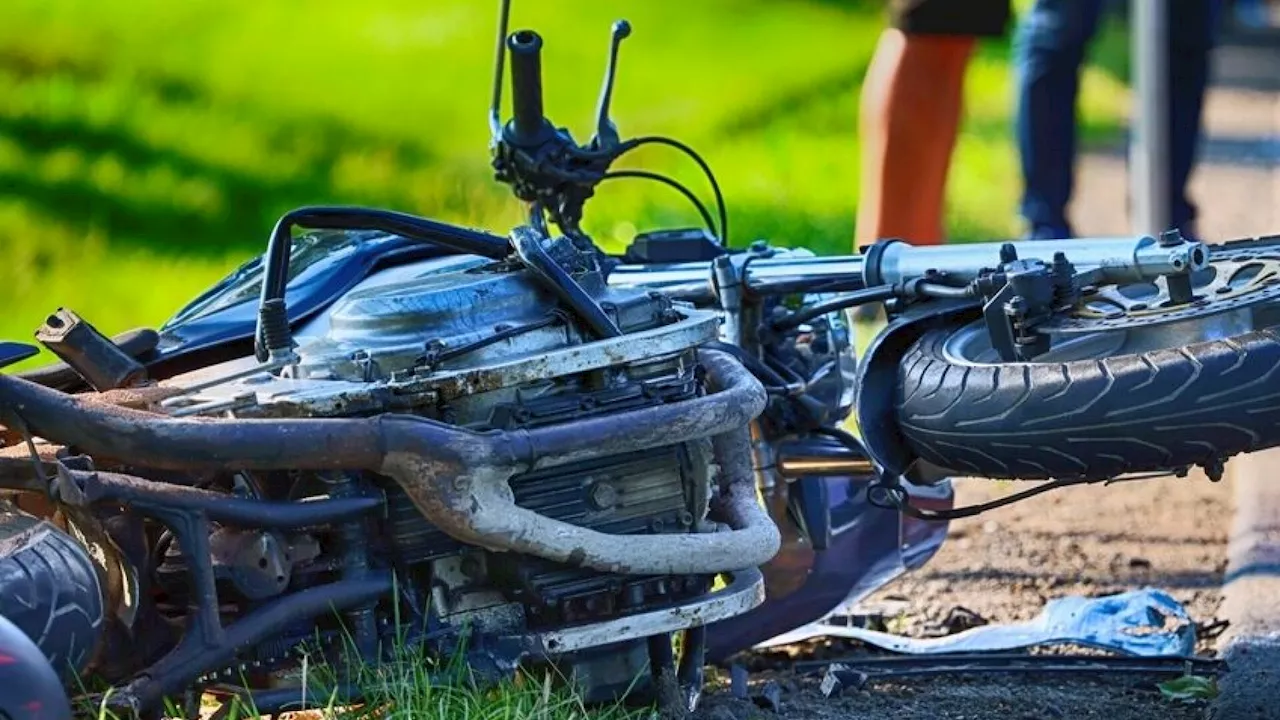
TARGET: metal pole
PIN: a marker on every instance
(1149, 135)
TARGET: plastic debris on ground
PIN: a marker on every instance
(839, 678)
(1147, 622)
(1189, 688)
(738, 678)
(769, 697)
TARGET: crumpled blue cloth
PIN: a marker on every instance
(1146, 622)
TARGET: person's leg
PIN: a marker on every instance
(1192, 31)
(910, 114)
(1049, 48)
(911, 105)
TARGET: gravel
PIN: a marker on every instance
(966, 699)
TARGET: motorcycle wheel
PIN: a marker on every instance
(1132, 383)
(1194, 405)
(49, 589)
(29, 688)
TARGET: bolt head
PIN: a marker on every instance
(604, 496)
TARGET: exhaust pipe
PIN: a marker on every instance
(458, 478)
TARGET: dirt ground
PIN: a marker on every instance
(967, 700)
(1168, 533)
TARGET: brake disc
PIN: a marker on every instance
(1236, 280)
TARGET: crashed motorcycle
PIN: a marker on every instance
(523, 451)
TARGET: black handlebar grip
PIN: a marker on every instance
(526, 84)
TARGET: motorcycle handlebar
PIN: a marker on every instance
(1118, 259)
(526, 84)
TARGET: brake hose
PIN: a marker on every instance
(880, 293)
(890, 495)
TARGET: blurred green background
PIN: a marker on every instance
(147, 146)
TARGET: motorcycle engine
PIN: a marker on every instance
(484, 345)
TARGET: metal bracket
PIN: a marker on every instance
(744, 592)
(207, 644)
(999, 326)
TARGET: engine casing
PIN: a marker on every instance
(483, 345)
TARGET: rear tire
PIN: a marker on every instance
(1193, 405)
(49, 589)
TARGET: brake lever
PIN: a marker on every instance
(544, 165)
(606, 132)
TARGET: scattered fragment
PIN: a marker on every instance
(738, 682)
(1213, 629)
(1189, 688)
(770, 697)
(830, 684)
(1146, 622)
(839, 678)
(960, 619)
(1139, 563)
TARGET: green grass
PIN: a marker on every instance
(146, 147)
(408, 689)
(410, 682)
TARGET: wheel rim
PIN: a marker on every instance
(1232, 297)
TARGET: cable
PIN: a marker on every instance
(273, 318)
(773, 383)
(555, 317)
(898, 500)
(646, 175)
(781, 369)
(706, 170)
(16, 421)
(895, 498)
(790, 286)
(879, 293)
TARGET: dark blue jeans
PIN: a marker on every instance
(1049, 49)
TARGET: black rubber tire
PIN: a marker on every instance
(1192, 405)
(49, 588)
(29, 687)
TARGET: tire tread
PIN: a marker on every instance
(1158, 410)
(49, 588)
